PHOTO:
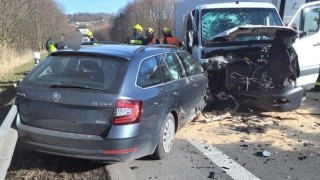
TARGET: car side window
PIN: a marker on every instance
(149, 73)
(191, 66)
(172, 69)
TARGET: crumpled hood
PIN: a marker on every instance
(256, 30)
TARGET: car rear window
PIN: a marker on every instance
(83, 71)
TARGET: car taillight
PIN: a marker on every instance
(127, 112)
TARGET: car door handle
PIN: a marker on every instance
(316, 44)
(176, 92)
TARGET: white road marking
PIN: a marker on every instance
(231, 167)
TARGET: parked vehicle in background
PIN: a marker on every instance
(109, 102)
(248, 53)
(84, 32)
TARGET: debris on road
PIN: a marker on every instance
(251, 128)
(216, 117)
(302, 158)
(266, 153)
(211, 175)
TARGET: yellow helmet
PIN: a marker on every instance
(138, 27)
(166, 31)
(149, 31)
(89, 33)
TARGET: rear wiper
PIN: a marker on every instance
(74, 86)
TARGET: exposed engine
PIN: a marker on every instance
(255, 65)
(249, 69)
(245, 74)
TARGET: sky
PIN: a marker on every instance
(92, 6)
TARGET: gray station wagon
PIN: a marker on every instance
(109, 102)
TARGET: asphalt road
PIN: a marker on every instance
(240, 160)
(184, 162)
(187, 162)
(193, 160)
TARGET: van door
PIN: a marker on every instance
(307, 22)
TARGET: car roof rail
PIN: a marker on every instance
(143, 48)
(99, 42)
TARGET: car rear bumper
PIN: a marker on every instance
(279, 100)
(90, 147)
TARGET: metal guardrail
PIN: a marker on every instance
(8, 141)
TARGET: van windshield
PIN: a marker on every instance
(79, 71)
(215, 21)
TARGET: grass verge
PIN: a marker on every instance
(13, 74)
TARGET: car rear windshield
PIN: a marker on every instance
(79, 71)
(215, 21)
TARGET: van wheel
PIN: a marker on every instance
(165, 141)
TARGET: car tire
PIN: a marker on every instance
(166, 137)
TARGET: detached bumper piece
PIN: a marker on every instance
(278, 100)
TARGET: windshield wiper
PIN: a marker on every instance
(74, 86)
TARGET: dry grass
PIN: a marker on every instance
(10, 59)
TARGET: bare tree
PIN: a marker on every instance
(149, 13)
(26, 24)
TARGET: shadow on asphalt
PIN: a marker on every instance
(27, 163)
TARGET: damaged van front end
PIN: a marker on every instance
(257, 65)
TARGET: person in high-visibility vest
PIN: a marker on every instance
(168, 38)
(50, 46)
(150, 39)
(89, 34)
(137, 37)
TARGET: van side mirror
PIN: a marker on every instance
(190, 37)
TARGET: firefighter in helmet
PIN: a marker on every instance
(168, 38)
(90, 36)
(137, 37)
(150, 38)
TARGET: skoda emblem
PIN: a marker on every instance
(55, 96)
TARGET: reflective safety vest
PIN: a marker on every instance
(52, 48)
(153, 41)
(170, 40)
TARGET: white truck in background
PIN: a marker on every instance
(248, 52)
